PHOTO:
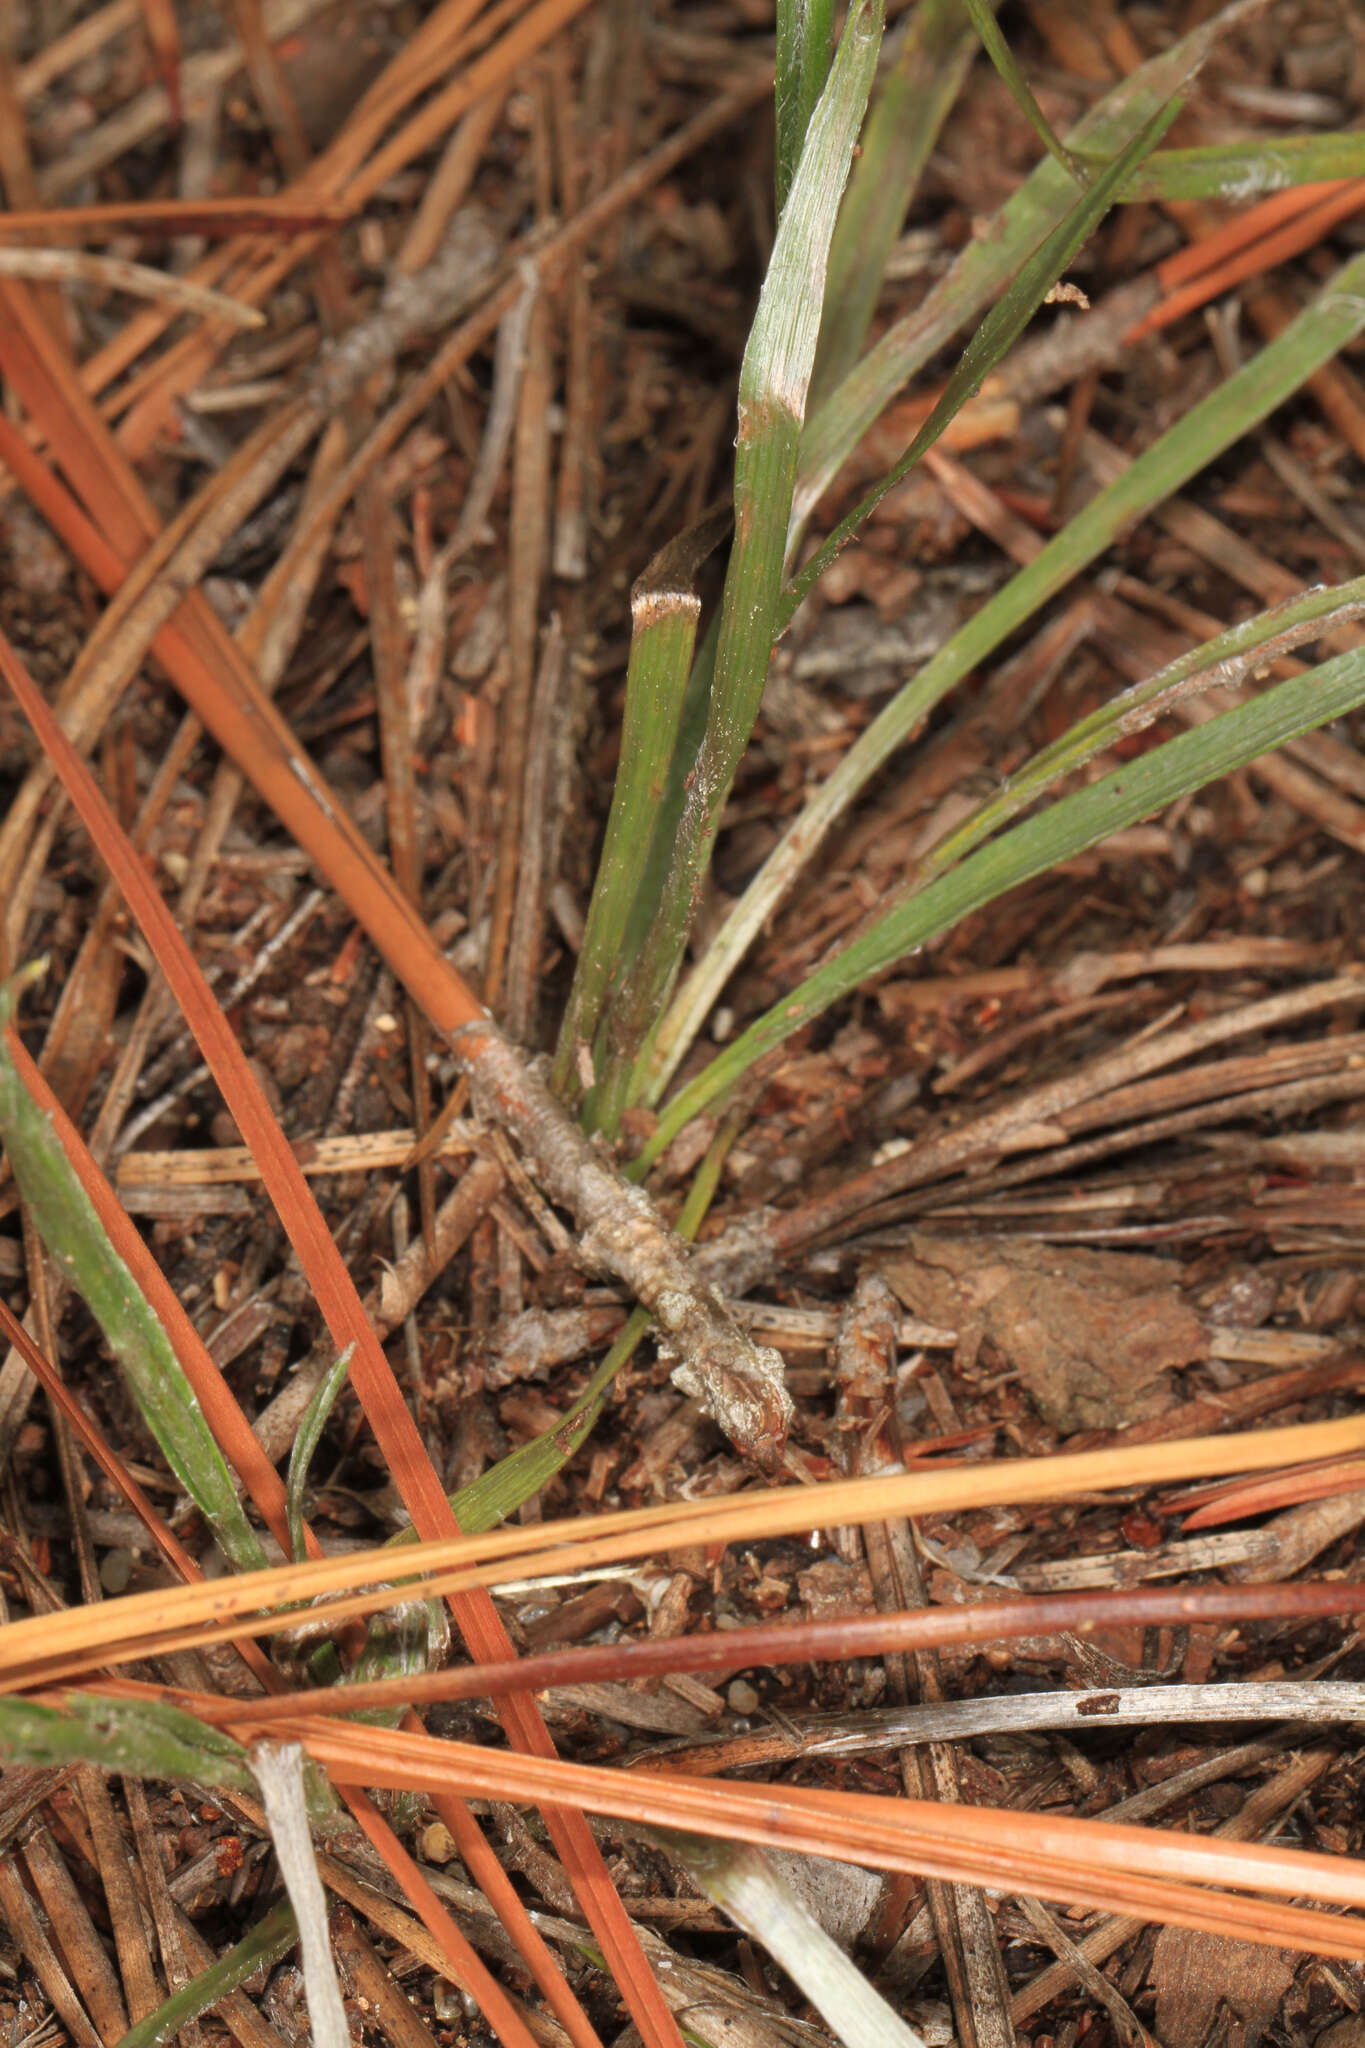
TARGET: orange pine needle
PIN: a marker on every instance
(1147, 1870)
(1303, 231)
(33, 1651)
(163, 33)
(371, 1375)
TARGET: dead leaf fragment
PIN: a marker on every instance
(1089, 1333)
(1197, 1974)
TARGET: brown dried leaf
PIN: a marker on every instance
(1090, 1333)
(1197, 1974)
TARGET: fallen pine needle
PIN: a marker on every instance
(115, 273)
(49, 1647)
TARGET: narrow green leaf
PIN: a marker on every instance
(143, 1737)
(1064, 829)
(912, 102)
(774, 380)
(1242, 171)
(665, 607)
(984, 268)
(520, 1476)
(65, 1219)
(805, 38)
(305, 1444)
(412, 1635)
(1215, 664)
(992, 341)
(268, 1943)
(1333, 319)
(654, 873)
(1001, 55)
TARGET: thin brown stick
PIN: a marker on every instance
(789, 1642)
(165, 1915)
(116, 274)
(70, 1921)
(1020, 1123)
(528, 548)
(388, 644)
(31, 1938)
(130, 1929)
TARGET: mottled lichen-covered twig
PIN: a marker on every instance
(739, 1383)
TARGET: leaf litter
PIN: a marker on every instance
(1085, 1239)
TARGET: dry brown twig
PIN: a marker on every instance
(741, 1383)
(116, 274)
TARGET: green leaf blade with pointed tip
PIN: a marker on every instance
(1068, 827)
(1021, 92)
(992, 341)
(983, 269)
(305, 1444)
(1334, 318)
(775, 375)
(913, 101)
(146, 1738)
(268, 1943)
(65, 1219)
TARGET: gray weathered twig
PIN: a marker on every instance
(740, 1383)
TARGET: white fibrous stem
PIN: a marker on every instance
(278, 1769)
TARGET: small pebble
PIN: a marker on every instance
(435, 1843)
(116, 1570)
(742, 1697)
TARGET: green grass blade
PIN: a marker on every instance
(142, 1737)
(269, 1941)
(65, 1219)
(410, 1636)
(1021, 92)
(1241, 171)
(983, 269)
(1217, 663)
(805, 38)
(993, 340)
(306, 1443)
(692, 727)
(911, 105)
(520, 1476)
(1064, 829)
(665, 607)
(1333, 319)
(774, 380)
